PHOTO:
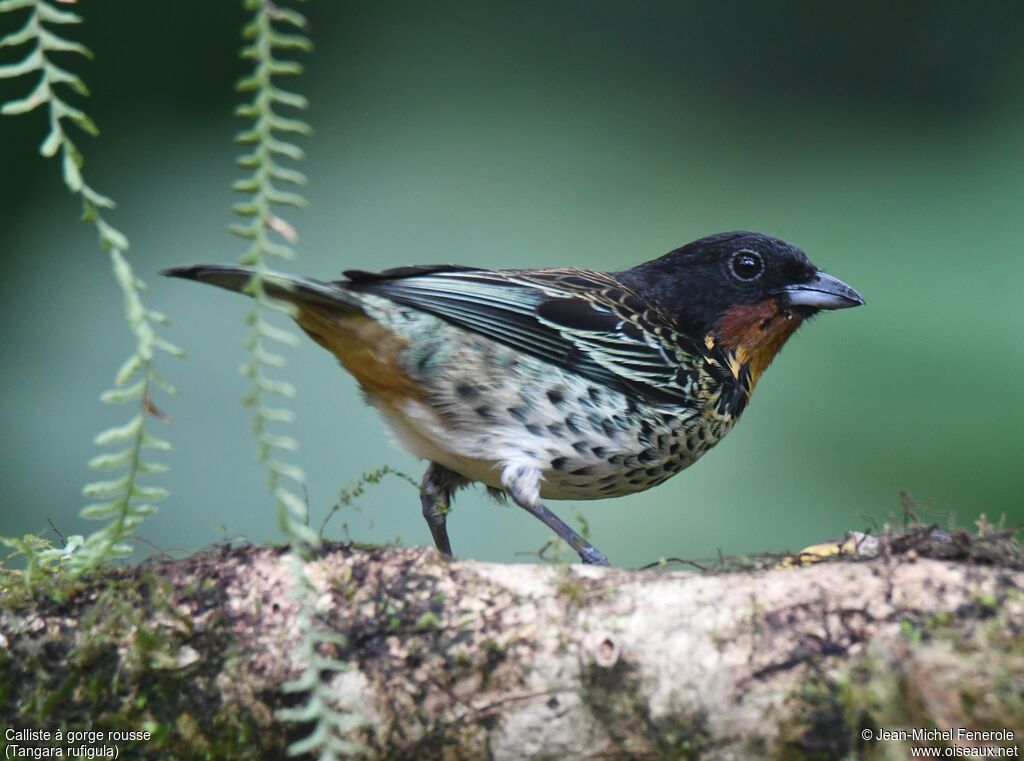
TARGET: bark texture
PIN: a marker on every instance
(474, 660)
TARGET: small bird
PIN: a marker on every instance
(559, 383)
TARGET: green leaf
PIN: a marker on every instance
(112, 461)
(168, 347)
(130, 367)
(50, 41)
(245, 231)
(283, 197)
(276, 387)
(162, 382)
(111, 237)
(54, 15)
(71, 168)
(121, 434)
(286, 98)
(288, 175)
(79, 117)
(294, 472)
(106, 489)
(152, 467)
(24, 34)
(288, 16)
(152, 442)
(247, 110)
(102, 510)
(280, 442)
(13, 5)
(247, 209)
(277, 334)
(290, 125)
(290, 41)
(31, 62)
(284, 68)
(120, 395)
(98, 198)
(40, 95)
(276, 415)
(58, 76)
(284, 149)
(150, 493)
(53, 140)
(248, 84)
(250, 185)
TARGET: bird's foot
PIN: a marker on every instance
(590, 555)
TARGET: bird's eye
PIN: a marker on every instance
(747, 265)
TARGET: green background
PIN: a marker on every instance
(888, 142)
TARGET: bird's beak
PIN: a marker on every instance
(822, 292)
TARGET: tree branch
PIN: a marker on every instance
(477, 660)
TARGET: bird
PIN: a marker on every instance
(562, 383)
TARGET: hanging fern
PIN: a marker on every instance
(267, 148)
(272, 236)
(122, 501)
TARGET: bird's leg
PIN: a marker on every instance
(436, 490)
(523, 486)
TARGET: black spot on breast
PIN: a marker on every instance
(556, 429)
(573, 423)
(486, 413)
(701, 433)
(609, 428)
(555, 396)
(598, 451)
(674, 448)
(648, 455)
(535, 429)
(652, 472)
(584, 471)
(467, 392)
(519, 413)
(610, 478)
(646, 429)
(594, 393)
(580, 446)
(559, 463)
(664, 440)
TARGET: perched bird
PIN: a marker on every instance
(559, 383)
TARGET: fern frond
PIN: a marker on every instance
(271, 236)
(126, 501)
(264, 40)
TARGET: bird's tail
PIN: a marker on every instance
(301, 291)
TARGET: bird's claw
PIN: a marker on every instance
(593, 556)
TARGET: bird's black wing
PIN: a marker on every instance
(583, 321)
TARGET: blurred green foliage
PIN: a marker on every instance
(885, 140)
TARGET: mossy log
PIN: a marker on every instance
(468, 660)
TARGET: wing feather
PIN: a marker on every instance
(585, 322)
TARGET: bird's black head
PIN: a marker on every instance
(704, 283)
